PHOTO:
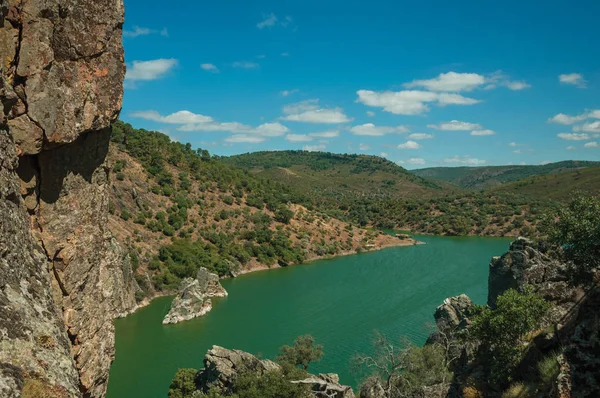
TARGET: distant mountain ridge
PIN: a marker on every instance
(492, 176)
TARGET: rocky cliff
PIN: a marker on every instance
(62, 276)
(194, 297)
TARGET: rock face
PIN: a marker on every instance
(454, 312)
(194, 296)
(526, 265)
(223, 366)
(62, 276)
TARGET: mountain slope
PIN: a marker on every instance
(491, 176)
(177, 209)
(556, 187)
(337, 175)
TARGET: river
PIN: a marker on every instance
(341, 302)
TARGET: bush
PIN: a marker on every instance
(302, 353)
(183, 384)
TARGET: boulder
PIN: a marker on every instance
(194, 298)
(453, 312)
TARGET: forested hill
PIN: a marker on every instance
(338, 175)
(492, 176)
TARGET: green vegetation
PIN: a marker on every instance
(491, 176)
(502, 331)
(302, 353)
(575, 229)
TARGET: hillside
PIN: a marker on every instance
(557, 187)
(177, 209)
(337, 175)
(491, 176)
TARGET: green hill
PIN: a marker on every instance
(492, 176)
(338, 175)
(556, 187)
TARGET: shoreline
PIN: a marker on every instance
(262, 267)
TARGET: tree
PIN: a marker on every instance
(501, 331)
(302, 353)
(576, 230)
(403, 369)
(183, 384)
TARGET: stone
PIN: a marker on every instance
(453, 313)
(194, 297)
(63, 277)
(327, 386)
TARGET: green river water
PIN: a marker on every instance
(341, 302)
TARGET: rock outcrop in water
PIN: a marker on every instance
(222, 367)
(194, 297)
(62, 276)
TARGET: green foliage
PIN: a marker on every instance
(575, 229)
(548, 369)
(501, 331)
(302, 353)
(183, 384)
(284, 215)
(273, 384)
(125, 214)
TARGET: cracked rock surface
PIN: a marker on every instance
(63, 278)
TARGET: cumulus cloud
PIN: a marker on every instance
(464, 160)
(455, 125)
(314, 148)
(326, 134)
(149, 70)
(245, 138)
(570, 148)
(210, 68)
(593, 127)
(412, 161)
(483, 132)
(298, 138)
(450, 81)
(410, 102)
(561, 118)
(245, 65)
(180, 117)
(409, 145)
(370, 113)
(592, 144)
(575, 79)
(364, 147)
(140, 31)
(420, 136)
(384, 154)
(310, 112)
(373, 130)
(573, 136)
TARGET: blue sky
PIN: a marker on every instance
(423, 83)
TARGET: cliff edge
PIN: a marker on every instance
(62, 276)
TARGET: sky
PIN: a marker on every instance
(422, 83)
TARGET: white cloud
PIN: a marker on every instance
(570, 148)
(412, 161)
(247, 138)
(575, 79)
(517, 151)
(450, 81)
(298, 138)
(420, 136)
(268, 21)
(285, 54)
(544, 162)
(384, 154)
(455, 125)
(517, 85)
(592, 144)
(573, 136)
(287, 93)
(180, 117)
(410, 102)
(245, 65)
(513, 144)
(498, 78)
(364, 147)
(409, 145)
(561, 118)
(314, 148)
(210, 68)
(310, 112)
(370, 113)
(271, 129)
(326, 134)
(483, 132)
(465, 160)
(593, 127)
(149, 70)
(372, 130)
(139, 31)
